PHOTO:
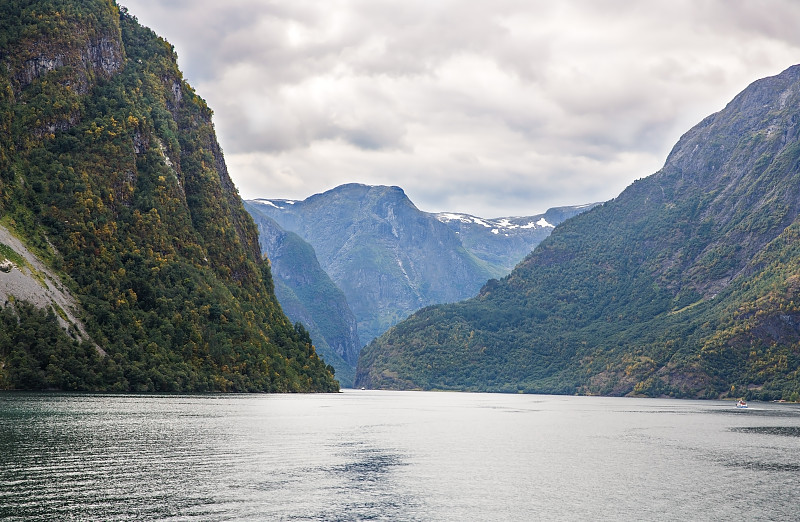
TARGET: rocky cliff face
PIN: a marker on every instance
(92, 54)
(75, 51)
(111, 175)
(683, 285)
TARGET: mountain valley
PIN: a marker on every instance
(130, 263)
(388, 257)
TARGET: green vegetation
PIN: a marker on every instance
(687, 284)
(7, 253)
(38, 354)
(110, 169)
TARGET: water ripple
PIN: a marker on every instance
(784, 431)
(390, 457)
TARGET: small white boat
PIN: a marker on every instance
(741, 404)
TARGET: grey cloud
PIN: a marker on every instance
(509, 104)
(774, 19)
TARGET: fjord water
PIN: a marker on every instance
(369, 455)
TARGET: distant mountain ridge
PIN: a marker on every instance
(390, 259)
(505, 241)
(686, 284)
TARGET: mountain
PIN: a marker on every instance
(504, 242)
(390, 259)
(686, 284)
(307, 295)
(127, 262)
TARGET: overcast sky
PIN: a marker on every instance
(493, 107)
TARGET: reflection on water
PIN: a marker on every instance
(784, 431)
(394, 456)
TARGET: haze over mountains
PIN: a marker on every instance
(388, 257)
(685, 285)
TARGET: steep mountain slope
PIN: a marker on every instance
(390, 259)
(307, 295)
(24, 277)
(686, 284)
(110, 173)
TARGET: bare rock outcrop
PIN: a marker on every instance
(35, 283)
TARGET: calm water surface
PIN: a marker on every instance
(366, 455)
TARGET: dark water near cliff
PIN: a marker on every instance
(363, 455)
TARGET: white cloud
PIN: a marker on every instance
(491, 108)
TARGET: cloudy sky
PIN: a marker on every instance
(491, 107)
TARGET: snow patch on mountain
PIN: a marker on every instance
(276, 203)
(495, 225)
(543, 223)
(445, 217)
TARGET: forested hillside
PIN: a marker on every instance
(111, 173)
(684, 285)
